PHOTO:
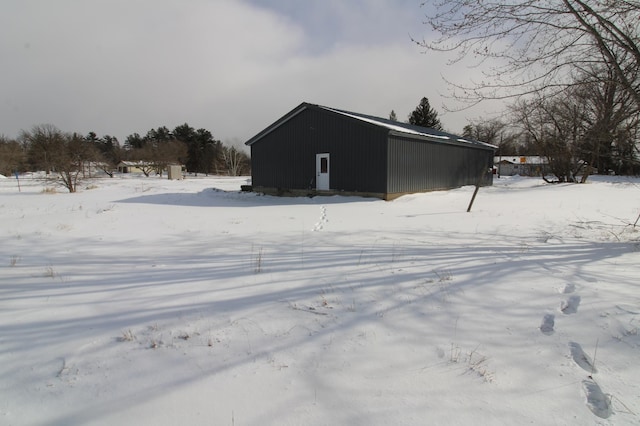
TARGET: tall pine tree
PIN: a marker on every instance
(425, 116)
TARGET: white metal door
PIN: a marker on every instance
(322, 172)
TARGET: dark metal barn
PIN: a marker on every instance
(316, 149)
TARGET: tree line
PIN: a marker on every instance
(593, 128)
(71, 155)
(571, 69)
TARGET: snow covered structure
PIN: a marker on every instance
(316, 149)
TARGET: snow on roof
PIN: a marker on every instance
(406, 128)
(394, 126)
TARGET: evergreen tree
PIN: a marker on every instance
(425, 116)
(158, 136)
(393, 116)
(134, 141)
(109, 151)
(202, 148)
(186, 134)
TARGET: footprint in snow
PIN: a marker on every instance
(568, 288)
(323, 219)
(570, 306)
(548, 321)
(581, 358)
(597, 401)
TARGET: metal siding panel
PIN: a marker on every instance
(416, 166)
(361, 158)
(357, 149)
(278, 159)
(285, 157)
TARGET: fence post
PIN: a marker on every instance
(475, 192)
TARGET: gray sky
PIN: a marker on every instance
(231, 66)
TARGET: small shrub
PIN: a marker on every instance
(127, 336)
(14, 260)
(257, 261)
(454, 354)
(443, 275)
(352, 306)
(49, 272)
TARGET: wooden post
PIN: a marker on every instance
(18, 179)
(475, 192)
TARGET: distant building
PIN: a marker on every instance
(316, 149)
(131, 166)
(521, 165)
(148, 167)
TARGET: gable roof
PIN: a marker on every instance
(394, 127)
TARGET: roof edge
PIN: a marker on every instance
(453, 140)
(412, 131)
(399, 129)
(282, 120)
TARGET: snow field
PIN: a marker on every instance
(148, 301)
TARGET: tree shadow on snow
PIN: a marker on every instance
(325, 285)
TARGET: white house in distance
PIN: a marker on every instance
(532, 165)
(131, 166)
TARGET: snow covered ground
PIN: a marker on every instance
(154, 302)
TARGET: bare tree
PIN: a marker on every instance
(156, 156)
(169, 152)
(143, 158)
(611, 117)
(493, 131)
(62, 153)
(234, 160)
(536, 46)
(12, 156)
(554, 127)
(42, 143)
(70, 158)
(590, 129)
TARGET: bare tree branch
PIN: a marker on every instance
(534, 46)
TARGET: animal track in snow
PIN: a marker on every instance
(570, 306)
(548, 322)
(323, 219)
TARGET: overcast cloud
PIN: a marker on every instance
(231, 66)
